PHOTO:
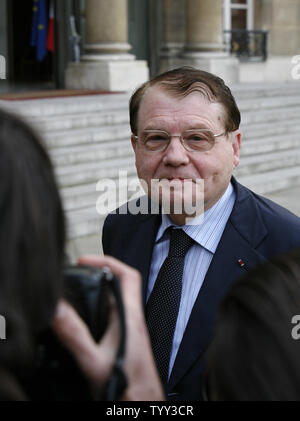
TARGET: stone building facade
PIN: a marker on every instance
(191, 32)
(125, 41)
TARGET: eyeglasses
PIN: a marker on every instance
(194, 140)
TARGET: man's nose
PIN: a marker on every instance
(175, 154)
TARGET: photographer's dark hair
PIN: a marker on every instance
(253, 356)
(182, 81)
(31, 237)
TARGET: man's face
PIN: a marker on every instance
(161, 111)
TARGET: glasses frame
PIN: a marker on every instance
(180, 138)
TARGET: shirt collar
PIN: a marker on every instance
(208, 231)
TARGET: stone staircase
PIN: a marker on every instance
(270, 125)
(88, 138)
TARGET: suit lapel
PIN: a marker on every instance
(244, 231)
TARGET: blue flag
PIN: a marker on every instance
(39, 28)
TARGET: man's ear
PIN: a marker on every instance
(236, 145)
(133, 142)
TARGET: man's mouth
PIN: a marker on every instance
(181, 179)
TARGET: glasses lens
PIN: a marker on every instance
(155, 140)
(198, 140)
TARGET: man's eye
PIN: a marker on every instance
(196, 137)
(156, 138)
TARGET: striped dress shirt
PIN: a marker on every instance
(207, 235)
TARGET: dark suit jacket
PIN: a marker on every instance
(257, 230)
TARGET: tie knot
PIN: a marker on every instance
(180, 243)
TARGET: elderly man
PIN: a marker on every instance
(185, 127)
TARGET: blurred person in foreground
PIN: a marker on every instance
(32, 238)
(254, 355)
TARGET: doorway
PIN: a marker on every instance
(238, 14)
(23, 63)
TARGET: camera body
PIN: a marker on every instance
(87, 289)
(56, 376)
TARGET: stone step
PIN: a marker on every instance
(80, 120)
(87, 136)
(91, 152)
(86, 195)
(73, 175)
(87, 221)
(261, 163)
(270, 144)
(84, 222)
(77, 197)
(271, 181)
(266, 128)
(267, 103)
(68, 105)
(81, 200)
(269, 115)
(256, 90)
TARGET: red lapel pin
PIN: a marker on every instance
(241, 263)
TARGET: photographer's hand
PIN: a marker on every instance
(96, 360)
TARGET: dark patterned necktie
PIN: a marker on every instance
(163, 304)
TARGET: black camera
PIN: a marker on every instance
(56, 376)
(87, 289)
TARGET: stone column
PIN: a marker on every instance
(173, 32)
(204, 47)
(204, 25)
(281, 19)
(106, 63)
(106, 30)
